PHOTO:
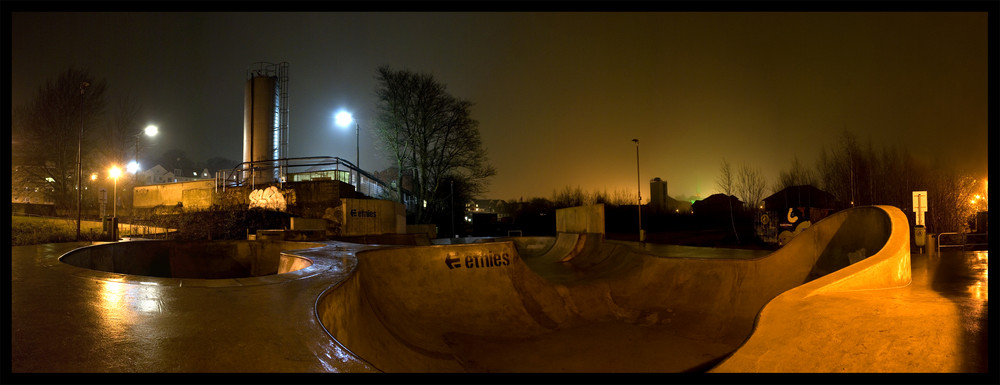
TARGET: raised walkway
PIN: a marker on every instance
(568, 305)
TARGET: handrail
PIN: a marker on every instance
(965, 240)
(245, 173)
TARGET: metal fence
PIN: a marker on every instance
(286, 170)
(963, 240)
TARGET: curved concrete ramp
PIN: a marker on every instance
(584, 305)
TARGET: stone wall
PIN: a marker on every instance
(173, 194)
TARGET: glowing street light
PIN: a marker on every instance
(150, 131)
(344, 119)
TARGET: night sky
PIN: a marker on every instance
(559, 95)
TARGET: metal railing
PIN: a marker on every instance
(978, 239)
(285, 170)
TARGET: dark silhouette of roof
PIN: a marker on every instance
(715, 204)
(800, 196)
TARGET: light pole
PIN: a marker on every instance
(115, 172)
(638, 185)
(344, 119)
(79, 163)
(150, 131)
(453, 232)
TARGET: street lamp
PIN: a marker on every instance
(150, 131)
(344, 119)
(79, 163)
(638, 185)
(114, 173)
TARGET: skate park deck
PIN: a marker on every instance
(571, 304)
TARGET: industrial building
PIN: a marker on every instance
(315, 187)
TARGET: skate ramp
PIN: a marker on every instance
(192, 259)
(584, 305)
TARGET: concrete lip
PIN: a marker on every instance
(195, 263)
(579, 304)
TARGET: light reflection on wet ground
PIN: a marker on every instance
(963, 277)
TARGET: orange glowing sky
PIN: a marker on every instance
(559, 95)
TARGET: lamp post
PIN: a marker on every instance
(150, 131)
(344, 119)
(114, 173)
(638, 186)
(79, 163)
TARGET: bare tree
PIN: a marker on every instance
(726, 183)
(844, 171)
(949, 195)
(424, 128)
(395, 118)
(121, 143)
(797, 175)
(622, 197)
(750, 184)
(121, 132)
(570, 197)
(725, 180)
(53, 127)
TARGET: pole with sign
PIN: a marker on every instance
(919, 208)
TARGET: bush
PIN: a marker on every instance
(219, 223)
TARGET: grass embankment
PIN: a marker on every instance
(25, 230)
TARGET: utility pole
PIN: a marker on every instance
(453, 232)
(79, 163)
(357, 138)
(638, 185)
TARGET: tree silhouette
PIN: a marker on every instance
(424, 129)
(52, 128)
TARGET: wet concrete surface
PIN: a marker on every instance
(936, 324)
(69, 319)
(963, 278)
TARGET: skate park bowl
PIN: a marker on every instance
(192, 259)
(575, 303)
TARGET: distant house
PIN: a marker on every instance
(157, 174)
(191, 174)
(803, 202)
(483, 205)
(716, 205)
(789, 211)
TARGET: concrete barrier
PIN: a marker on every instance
(581, 219)
(587, 305)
